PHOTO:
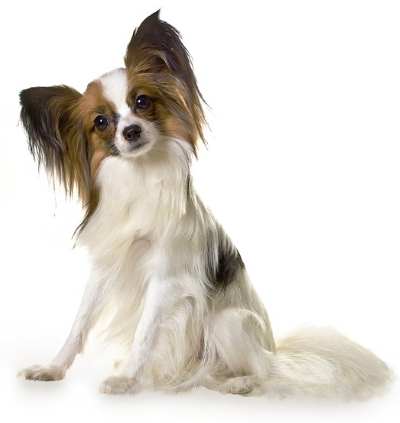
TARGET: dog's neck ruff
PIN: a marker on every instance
(140, 198)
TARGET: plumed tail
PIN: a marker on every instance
(321, 362)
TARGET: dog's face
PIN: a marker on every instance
(127, 112)
(120, 120)
(129, 122)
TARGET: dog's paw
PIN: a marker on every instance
(119, 385)
(241, 385)
(45, 373)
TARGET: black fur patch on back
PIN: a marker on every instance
(223, 260)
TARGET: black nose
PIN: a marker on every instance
(132, 133)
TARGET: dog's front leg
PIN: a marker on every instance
(75, 340)
(160, 295)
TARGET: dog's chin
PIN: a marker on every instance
(132, 151)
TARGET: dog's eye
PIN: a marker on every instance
(143, 102)
(101, 122)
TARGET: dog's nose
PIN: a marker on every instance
(132, 132)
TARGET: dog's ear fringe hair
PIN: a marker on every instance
(156, 51)
(56, 137)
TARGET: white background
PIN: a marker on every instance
(302, 169)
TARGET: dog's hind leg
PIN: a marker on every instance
(241, 360)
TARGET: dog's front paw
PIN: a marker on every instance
(119, 385)
(45, 373)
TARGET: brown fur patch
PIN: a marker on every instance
(158, 62)
(92, 104)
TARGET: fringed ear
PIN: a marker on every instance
(160, 46)
(157, 53)
(55, 134)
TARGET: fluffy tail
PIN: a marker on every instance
(321, 362)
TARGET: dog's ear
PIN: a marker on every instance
(55, 134)
(159, 45)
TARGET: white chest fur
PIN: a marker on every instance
(133, 228)
(139, 200)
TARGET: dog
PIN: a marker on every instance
(166, 278)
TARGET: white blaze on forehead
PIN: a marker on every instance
(115, 89)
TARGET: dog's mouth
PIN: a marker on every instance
(137, 145)
(132, 148)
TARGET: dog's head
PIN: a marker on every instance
(127, 112)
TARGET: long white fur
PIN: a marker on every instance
(147, 242)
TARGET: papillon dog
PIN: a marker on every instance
(165, 277)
